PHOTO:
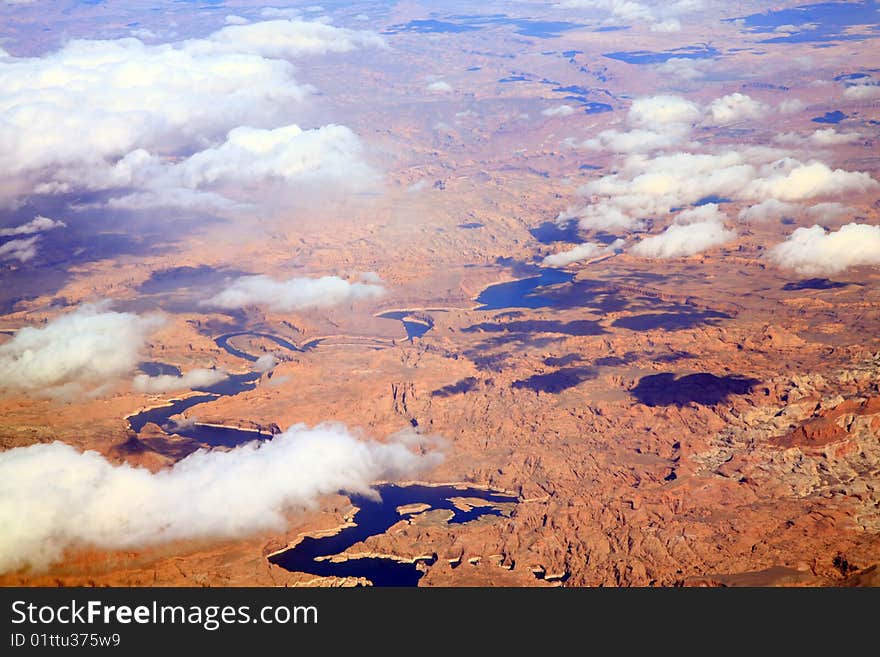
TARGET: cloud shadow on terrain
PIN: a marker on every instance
(700, 388)
(553, 382)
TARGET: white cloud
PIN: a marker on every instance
(197, 378)
(732, 108)
(53, 498)
(663, 109)
(601, 216)
(286, 159)
(633, 141)
(862, 92)
(36, 225)
(584, 251)
(439, 87)
(768, 210)
(558, 110)
(90, 346)
(667, 25)
(94, 109)
(294, 293)
(794, 29)
(21, 250)
(644, 187)
(683, 68)
(820, 138)
(278, 12)
(265, 363)
(684, 240)
(655, 123)
(814, 251)
(143, 33)
(791, 180)
(791, 106)
(705, 212)
(828, 211)
(660, 16)
(288, 39)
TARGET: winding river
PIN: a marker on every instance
(374, 516)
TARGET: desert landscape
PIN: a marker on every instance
(575, 293)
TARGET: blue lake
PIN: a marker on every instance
(830, 117)
(643, 57)
(376, 517)
(829, 21)
(414, 327)
(523, 293)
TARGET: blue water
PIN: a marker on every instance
(375, 517)
(161, 414)
(523, 293)
(718, 200)
(597, 108)
(223, 343)
(830, 117)
(550, 232)
(414, 329)
(233, 384)
(470, 23)
(155, 368)
(832, 19)
(642, 57)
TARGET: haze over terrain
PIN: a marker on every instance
(526, 293)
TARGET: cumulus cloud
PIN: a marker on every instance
(768, 210)
(659, 16)
(644, 187)
(791, 180)
(815, 251)
(633, 141)
(90, 346)
(209, 494)
(288, 39)
(683, 68)
(36, 225)
(21, 250)
(862, 92)
(822, 137)
(293, 294)
(153, 103)
(197, 378)
(585, 251)
(705, 212)
(601, 216)
(439, 87)
(828, 211)
(284, 159)
(684, 240)
(558, 110)
(791, 106)
(654, 122)
(667, 25)
(732, 108)
(663, 109)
